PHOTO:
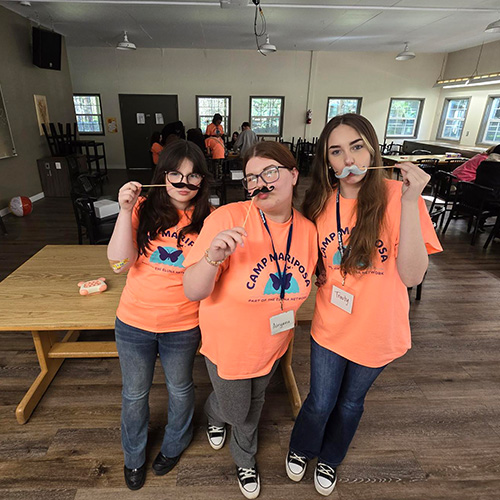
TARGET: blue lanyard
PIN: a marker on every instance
(281, 275)
(339, 235)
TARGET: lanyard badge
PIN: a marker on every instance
(281, 275)
(342, 249)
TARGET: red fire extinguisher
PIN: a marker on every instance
(309, 116)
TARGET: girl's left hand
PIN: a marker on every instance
(414, 181)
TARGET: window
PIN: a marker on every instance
(266, 115)
(453, 119)
(404, 117)
(342, 105)
(88, 114)
(489, 132)
(207, 106)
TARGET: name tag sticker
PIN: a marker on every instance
(282, 322)
(342, 298)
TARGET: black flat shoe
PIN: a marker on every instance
(162, 464)
(135, 478)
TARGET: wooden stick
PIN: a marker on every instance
(248, 213)
(153, 185)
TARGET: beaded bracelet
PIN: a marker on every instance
(214, 263)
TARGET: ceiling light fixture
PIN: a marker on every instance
(267, 48)
(493, 27)
(125, 44)
(25, 4)
(406, 55)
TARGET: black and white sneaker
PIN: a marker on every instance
(325, 478)
(295, 466)
(216, 436)
(248, 481)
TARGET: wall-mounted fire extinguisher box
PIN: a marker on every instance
(309, 116)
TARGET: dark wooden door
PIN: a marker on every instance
(137, 136)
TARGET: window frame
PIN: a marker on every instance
(416, 129)
(282, 113)
(447, 100)
(485, 120)
(358, 107)
(101, 119)
(227, 122)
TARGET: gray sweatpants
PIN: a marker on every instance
(238, 403)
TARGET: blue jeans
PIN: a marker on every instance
(137, 350)
(331, 412)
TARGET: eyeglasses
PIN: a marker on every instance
(268, 175)
(175, 177)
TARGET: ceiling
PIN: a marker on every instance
(319, 25)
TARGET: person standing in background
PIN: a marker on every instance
(156, 147)
(215, 128)
(246, 139)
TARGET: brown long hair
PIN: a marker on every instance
(157, 213)
(274, 151)
(372, 197)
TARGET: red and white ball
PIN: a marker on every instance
(20, 206)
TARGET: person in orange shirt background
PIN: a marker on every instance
(215, 148)
(251, 275)
(156, 147)
(374, 238)
(215, 128)
(153, 236)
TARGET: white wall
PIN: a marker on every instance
(463, 63)
(188, 72)
(20, 80)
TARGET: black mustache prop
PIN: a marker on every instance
(180, 185)
(263, 189)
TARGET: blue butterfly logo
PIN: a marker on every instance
(273, 286)
(167, 255)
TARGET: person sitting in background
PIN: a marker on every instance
(467, 171)
(196, 135)
(246, 139)
(215, 128)
(215, 148)
(156, 147)
(172, 131)
(232, 142)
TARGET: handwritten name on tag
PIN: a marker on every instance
(282, 322)
(342, 298)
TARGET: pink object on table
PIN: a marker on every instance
(92, 286)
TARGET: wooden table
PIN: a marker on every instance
(390, 160)
(42, 296)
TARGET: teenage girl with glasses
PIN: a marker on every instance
(374, 238)
(251, 280)
(152, 237)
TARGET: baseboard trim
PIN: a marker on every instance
(35, 197)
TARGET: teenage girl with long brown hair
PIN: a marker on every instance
(374, 238)
(152, 237)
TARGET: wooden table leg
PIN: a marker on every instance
(48, 368)
(291, 384)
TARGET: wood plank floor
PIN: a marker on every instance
(431, 429)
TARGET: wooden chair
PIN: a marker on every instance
(435, 216)
(444, 189)
(98, 231)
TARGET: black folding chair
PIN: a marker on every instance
(471, 202)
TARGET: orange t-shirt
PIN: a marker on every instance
(156, 149)
(153, 298)
(235, 318)
(378, 329)
(215, 130)
(215, 147)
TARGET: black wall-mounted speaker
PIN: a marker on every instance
(46, 49)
